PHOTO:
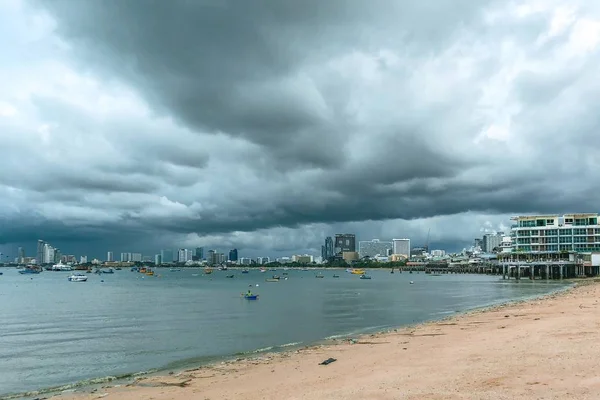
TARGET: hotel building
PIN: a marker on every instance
(556, 233)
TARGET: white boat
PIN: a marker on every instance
(62, 267)
(78, 278)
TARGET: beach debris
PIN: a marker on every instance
(328, 361)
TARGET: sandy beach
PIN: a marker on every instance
(540, 349)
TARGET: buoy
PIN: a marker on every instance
(411, 282)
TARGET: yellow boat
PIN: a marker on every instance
(150, 273)
(358, 272)
(208, 271)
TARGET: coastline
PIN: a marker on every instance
(268, 375)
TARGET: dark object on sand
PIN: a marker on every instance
(328, 361)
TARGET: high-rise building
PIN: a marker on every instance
(136, 257)
(327, 249)
(40, 252)
(110, 256)
(263, 260)
(199, 253)
(166, 256)
(233, 255)
(184, 255)
(48, 256)
(492, 241)
(57, 255)
(211, 257)
(125, 257)
(82, 259)
(401, 247)
(344, 243)
(157, 259)
(374, 248)
(21, 256)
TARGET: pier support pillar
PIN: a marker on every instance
(518, 272)
(547, 272)
(561, 272)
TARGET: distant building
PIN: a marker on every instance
(327, 249)
(350, 256)
(344, 242)
(233, 255)
(199, 253)
(302, 259)
(491, 241)
(211, 258)
(245, 261)
(40, 252)
(263, 260)
(48, 256)
(125, 257)
(438, 253)
(374, 248)
(166, 256)
(401, 247)
(136, 257)
(110, 256)
(184, 255)
(157, 259)
(478, 243)
(83, 260)
(21, 256)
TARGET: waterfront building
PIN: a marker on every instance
(233, 255)
(302, 259)
(327, 249)
(263, 260)
(438, 253)
(157, 259)
(344, 242)
(136, 257)
(83, 260)
(40, 252)
(184, 255)
(199, 253)
(401, 247)
(556, 233)
(166, 256)
(21, 256)
(110, 256)
(375, 247)
(491, 241)
(245, 261)
(125, 257)
(48, 256)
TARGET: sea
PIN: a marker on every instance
(60, 334)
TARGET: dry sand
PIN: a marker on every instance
(542, 349)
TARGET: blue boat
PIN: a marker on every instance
(251, 296)
(365, 277)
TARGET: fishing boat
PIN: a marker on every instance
(230, 276)
(108, 271)
(250, 296)
(319, 275)
(142, 270)
(149, 272)
(78, 278)
(208, 271)
(245, 271)
(336, 276)
(365, 277)
(356, 271)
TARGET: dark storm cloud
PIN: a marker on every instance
(175, 117)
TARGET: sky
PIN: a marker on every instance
(267, 125)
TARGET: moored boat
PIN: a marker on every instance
(357, 271)
(365, 277)
(245, 271)
(78, 278)
(29, 270)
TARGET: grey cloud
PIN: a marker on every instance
(233, 119)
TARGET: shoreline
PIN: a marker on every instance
(125, 387)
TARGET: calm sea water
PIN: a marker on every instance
(54, 332)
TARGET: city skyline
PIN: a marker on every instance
(383, 121)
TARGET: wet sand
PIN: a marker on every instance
(540, 349)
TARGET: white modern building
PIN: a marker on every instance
(136, 257)
(82, 259)
(401, 247)
(184, 255)
(375, 247)
(110, 257)
(556, 233)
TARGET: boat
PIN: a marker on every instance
(336, 276)
(134, 269)
(250, 296)
(319, 275)
(276, 277)
(108, 271)
(245, 271)
(61, 267)
(208, 271)
(150, 272)
(365, 277)
(174, 269)
(1, 273)
(357, 272)
(29, 270)
(263, 270)
(78, 278)
(285, 273)
(142, 270)
(272, 280)
(118, 269)
(230, 276)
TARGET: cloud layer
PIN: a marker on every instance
(266, 125)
